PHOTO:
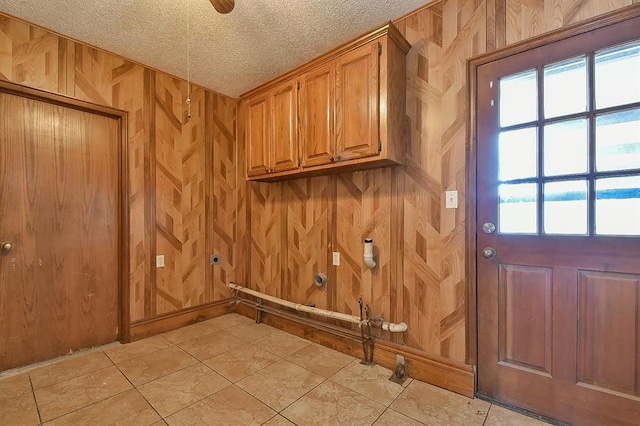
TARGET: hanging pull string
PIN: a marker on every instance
(189, 59)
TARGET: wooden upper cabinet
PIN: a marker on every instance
(317, 137)
(347, 107)
(257, 135)
(270, 122)
(284, 123)
(357, 103)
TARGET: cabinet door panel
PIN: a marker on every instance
(257, 135)
(317, 138)
(357, 103)
(284, 125)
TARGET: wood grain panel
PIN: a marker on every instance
(434, 286)
(308, 214)
(529, 18)
(224, 196)
(193, 209)
(168, 169)
(267, 251)
(609, 308)
(29, 55)
(363, 204)
(93, 73)
(128, 94)
(525, 317)
(169, 191)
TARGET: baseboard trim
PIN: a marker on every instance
(171, 321)
(441, 372)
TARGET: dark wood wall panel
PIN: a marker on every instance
(606, 335)
(525, 298)
(168, 166)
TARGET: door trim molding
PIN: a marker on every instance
(123, 184)
(598, 22)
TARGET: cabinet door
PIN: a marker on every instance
(284, 150)
(317, 137)
(257, 135)
(357, 103)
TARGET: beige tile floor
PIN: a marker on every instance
(229, 371)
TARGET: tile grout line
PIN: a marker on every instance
(33, 394)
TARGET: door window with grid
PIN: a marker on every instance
(569, 146)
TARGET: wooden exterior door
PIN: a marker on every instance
(558, 219)
(317, 134)
(358, 103)
(60, 209)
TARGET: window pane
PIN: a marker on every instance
(518, 212)
(518, 98)
(618, 206)
(566, 147)
(518, 154)
(617, 75)
(565, 87)
(565, 207)
(618, 141)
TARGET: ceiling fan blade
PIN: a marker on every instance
(223, 6)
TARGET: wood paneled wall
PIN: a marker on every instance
(183, 172)
(420, 246)
(187, 202)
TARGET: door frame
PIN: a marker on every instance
(123, 184)
(473, 64)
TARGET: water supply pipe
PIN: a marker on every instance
(376, 322)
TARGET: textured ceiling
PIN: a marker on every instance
(231, 54)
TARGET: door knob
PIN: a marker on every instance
(489, 252)
(6, 245)
(488, 228)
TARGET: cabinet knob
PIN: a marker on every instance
(331, 158)
(338, 158)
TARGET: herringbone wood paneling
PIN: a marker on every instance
(93, 75)
(28, 55)
(307, 230)
(128, 95)
(224, 195)
(268, 237)
(172, 181)
(363, 202)
(528, 18)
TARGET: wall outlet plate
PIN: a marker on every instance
(451, 199)
(160, 261)
(336, 258)
(216, 259)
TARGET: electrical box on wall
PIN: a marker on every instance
(451, 199)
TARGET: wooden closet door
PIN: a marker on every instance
(59, 179)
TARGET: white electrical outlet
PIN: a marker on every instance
(160, 261)
(336, 258)
(451, 199)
